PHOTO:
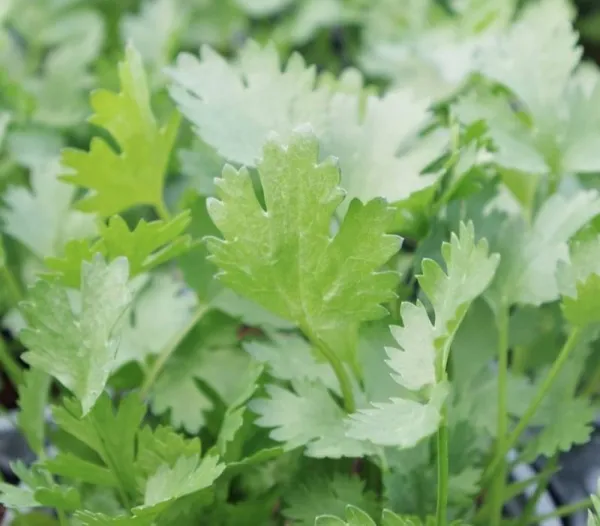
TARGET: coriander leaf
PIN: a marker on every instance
(236, 108)
(536, 57)
(69, 466)
(284, 258)
(162, 446)
(160, 312)
(189, 475)
(37, 490)
(33, 399)
(530, 254)
(111, 434)
(177, 390)
(579, 281)
(469, 271)
(378, 148)
(578, 412)
(117, 181)
(309, 417)
(375, 139)
(152, 32)
(290, 357)
(41, 218)
(327, 496)
(78, 348)
(399, 422)
(147, 246)
(354, 517)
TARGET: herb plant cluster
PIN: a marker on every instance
(240, 289)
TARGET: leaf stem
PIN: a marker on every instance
(539, 490)
(14, 289)
(11, 367)
(166, 353)
(563, 511)
(162, 210)
(443, 470)
(565, 352)
(338, 368)
(497, 489)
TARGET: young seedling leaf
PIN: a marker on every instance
(135, 175)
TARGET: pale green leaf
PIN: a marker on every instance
(41, 218)
(236, 107)
(399, 422)
(78, 348)
(469, 271)
(308, 417)
(33, 400)
(159, 313)
(530, 255)
(375, 139)
(189, 475)
(290, 357)
(117, 181)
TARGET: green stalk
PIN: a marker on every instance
(497, 489)
(565, 352)
(166, 353)
(162, 211)
(539, 490)
(338, 368)
(563, 511)
(14, 289)
(443, 470)
(442, 446)
(11, 367)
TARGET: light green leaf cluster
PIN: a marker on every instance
(376, 142)
(424, 346)
(135, 175)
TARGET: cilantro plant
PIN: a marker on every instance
(313, 262)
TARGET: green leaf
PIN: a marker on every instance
(108, 433)
(189, 475)
(162, 446)
(285, 259)
(213, 95)
(223, 369)
(308, 417)
(37, 489)
(290, 357)
(529, 255)
(319, 496)
(78, 348)
(33, 400)
(371, 139)
(160, 312)
(469, 271)
(118, 181)
(579, 281)
(41, 218)
(153, 30)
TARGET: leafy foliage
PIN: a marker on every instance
(205, 280)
